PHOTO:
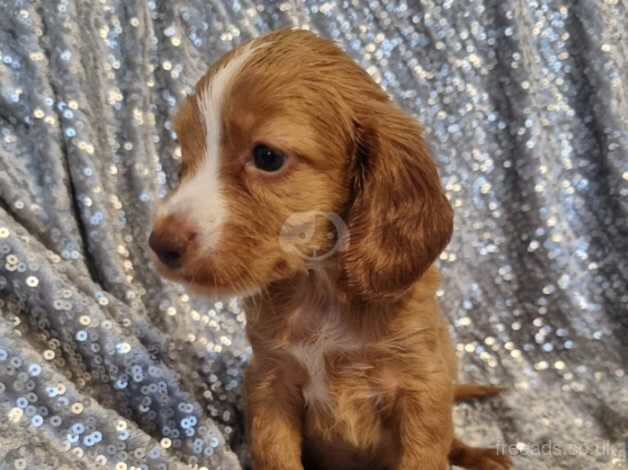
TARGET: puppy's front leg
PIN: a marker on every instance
(425, 427)
(274, 420)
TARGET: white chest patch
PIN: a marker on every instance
(312, 357)
(330, 337)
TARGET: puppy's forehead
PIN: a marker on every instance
(198, 123)
(282, 89)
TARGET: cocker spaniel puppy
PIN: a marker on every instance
(305, 190)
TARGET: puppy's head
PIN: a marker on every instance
(290, 151)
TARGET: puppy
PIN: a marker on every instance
(305, 190)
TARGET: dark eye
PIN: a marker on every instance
(267, 159)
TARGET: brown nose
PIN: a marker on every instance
(170, 240)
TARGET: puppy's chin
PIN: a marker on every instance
(205, 282)
(213, 290)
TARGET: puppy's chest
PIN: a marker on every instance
(321, 355)
(343, 377)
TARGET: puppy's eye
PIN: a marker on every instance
(267, 159)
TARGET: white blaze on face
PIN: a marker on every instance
(200, 200)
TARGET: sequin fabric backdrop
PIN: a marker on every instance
(524, 105)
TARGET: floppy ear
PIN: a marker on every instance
(400, 219)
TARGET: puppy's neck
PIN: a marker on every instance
(316, 295)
